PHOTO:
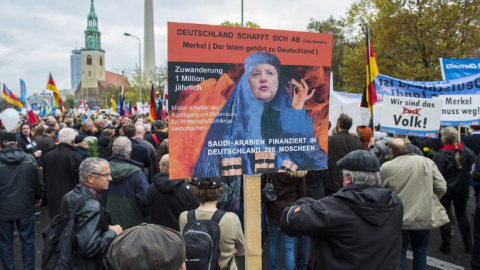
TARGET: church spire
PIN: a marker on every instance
(92, 35)
(92, 19)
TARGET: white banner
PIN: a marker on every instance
(463, 110)
(417, 117)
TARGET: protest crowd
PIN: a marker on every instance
(380, 195)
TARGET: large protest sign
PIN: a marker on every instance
(388, 86)
(458, 68)
(243, 100)
(460, 110)
(416, 117)
(470, 85)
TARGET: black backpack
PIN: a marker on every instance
(201, 240)
(59, 239)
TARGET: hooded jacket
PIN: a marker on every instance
(169, 198)
(457, 179)
(359, 227)
(126, 196)
(20, 184)
(103, 143)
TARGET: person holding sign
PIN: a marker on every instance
(270, 129)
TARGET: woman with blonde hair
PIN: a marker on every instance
(455, 161)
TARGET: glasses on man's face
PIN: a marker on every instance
(101, 174)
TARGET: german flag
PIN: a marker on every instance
(114, 105)
(369, 97)
(153, 105)
(52, 87)
(10, 97)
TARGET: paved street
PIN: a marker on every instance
(437, 260)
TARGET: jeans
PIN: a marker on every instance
(460, 203)
(288, 247)
(418, 239)
(26, 231)
(302, 252)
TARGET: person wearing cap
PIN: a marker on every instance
(171, 197)
(159, 134)
(147, 246)
(21, 190)
(81, 146)
(358, 227)
(420, 187)
(339, 144)
(94, 230)
(232, 242)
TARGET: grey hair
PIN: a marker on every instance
(90, 165)
(66, 135)
(364, 178)
(122, 146)
(147, 127)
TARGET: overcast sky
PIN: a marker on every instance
(37, 37)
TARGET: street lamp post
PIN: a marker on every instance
(139, 64)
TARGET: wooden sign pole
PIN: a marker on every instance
(253, 223)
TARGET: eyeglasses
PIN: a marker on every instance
(101, 174)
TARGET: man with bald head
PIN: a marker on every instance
(418, 182)
(101, 125)
(139, 134)
(87, 128)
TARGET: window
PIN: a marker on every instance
(89, 73)
(89, 59)
(101, 61)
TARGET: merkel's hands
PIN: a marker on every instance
(301, 93)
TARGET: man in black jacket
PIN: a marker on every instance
(159, 134)
(170, 198)
(60, 170)
(20, 191)
(94, 231)
(339, 145)
(358, 227)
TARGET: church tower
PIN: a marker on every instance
(93, 57)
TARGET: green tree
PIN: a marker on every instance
(236, 24)
(409, 36)
(340, 43)
(69, 102)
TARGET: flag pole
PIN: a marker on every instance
(369, 79)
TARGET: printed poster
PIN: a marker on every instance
(461, 110)
(416, 117)
(458, 68)
(246, 101)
